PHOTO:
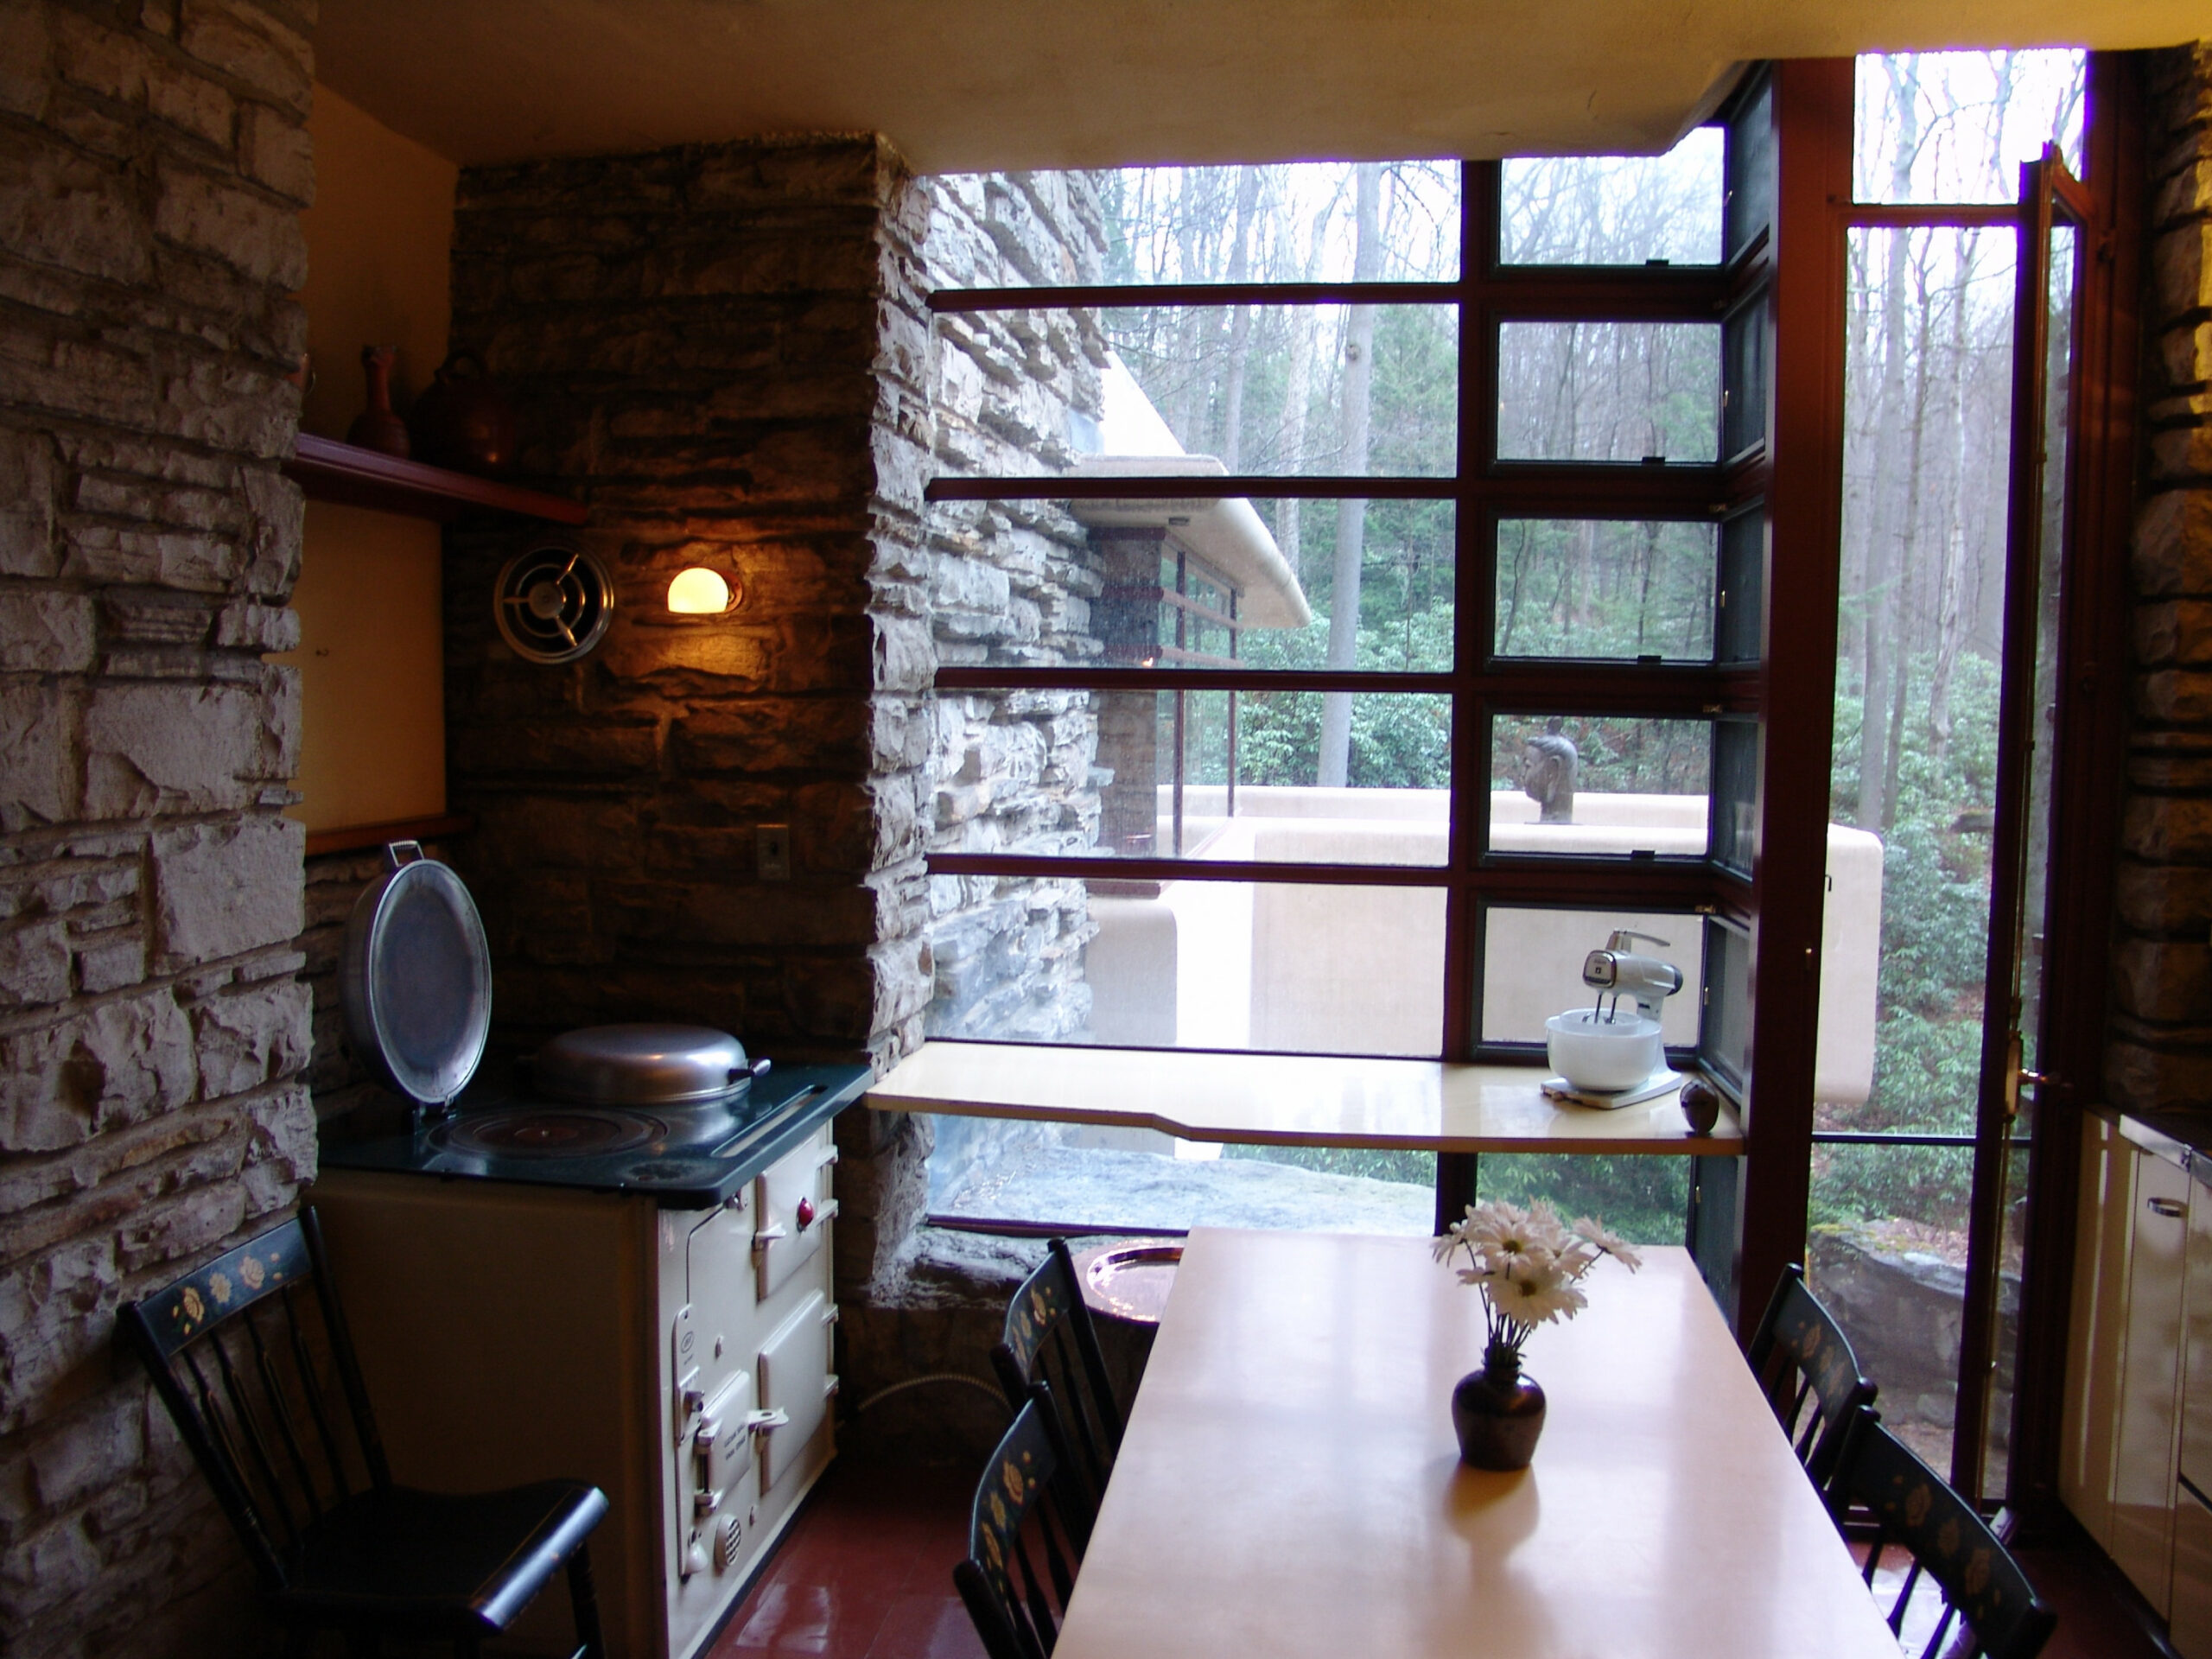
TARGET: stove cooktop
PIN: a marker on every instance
(684, 1158)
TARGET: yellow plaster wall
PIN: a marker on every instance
(371, 661)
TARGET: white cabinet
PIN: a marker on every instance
(2122, 1427)
(2190, 1620)
(2095, 1327)
(2150, 1395)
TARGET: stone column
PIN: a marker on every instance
(2161, 1049)
(152, 1031)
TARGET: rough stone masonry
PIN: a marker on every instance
(2160, 1053)
(153, 162)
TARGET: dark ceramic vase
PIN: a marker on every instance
(377, 427)
(1498, 1413)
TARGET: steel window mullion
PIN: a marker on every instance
(1550, 302)
(1180, 488)
(1240, 679)
(1162, 296)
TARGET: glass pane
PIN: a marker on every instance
(2012, 1250)
(1608, 390)
(1724, 1038)
(1160, 783)
(2033, 960)
(1645, 1200)
(1532, 968)
(1752, 172)
(1928, 400)
(1363, 390)
(1606, 589)
(1955, 126)
(1193, 583)
(1743, 579)
(1887, 1253)
(1293, 223)
(1281, 967)
(1736, 781)
(1077, 1178)
(2051, 546)
(1744, 397)
(1615, 210)
(1592, 784)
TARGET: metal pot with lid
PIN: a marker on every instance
(657, 1066)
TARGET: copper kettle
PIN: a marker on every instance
(464, 420)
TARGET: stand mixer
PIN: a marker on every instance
(1598, 1049)
(1645, 981)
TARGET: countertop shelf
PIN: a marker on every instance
(1287, 1100)
(353, 477)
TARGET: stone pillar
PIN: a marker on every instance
(724, 351)
(2160, 1055)
(152, 1031)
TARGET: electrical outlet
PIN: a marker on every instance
(773, 851)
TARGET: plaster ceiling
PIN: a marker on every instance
(961, 85)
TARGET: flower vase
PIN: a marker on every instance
(1498, 1413)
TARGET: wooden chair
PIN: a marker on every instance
(1020, 1514)
(1802, 1357)
(1977, 1581)
(251, 1355)
(1049, 1339)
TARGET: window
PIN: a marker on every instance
(1335, 568)
(1929, 420)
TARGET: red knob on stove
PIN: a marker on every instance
(806, 1214)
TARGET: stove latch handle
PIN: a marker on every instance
(760, 1422)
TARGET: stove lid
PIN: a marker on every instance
(416, 978)
(644, 1065)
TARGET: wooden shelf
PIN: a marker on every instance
(354, 837)
(330, 470)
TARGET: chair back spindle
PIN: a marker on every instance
(1811, 1377)
(254, 1371)
(251, 1356)
(1049, 1339)
(1017, 1519)
(1977, 1582)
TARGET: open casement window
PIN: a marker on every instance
(1956, 618)
(1414, 630)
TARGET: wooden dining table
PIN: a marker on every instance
(1289, 1484)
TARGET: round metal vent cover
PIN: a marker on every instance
(553, 603)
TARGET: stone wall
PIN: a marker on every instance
(724, 351)
(1011, 583)
(2160, 1054)
(152, 1031)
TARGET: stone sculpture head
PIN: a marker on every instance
(1548, 762)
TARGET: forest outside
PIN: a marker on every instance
(1357, 390)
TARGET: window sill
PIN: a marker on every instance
(1287, 1100)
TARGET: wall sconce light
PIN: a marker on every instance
(701, 592)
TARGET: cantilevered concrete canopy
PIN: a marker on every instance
(981, 84)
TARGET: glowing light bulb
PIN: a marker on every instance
(698, 592)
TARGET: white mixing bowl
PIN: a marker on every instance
(1603, 1053)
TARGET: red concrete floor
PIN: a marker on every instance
(865, 1572)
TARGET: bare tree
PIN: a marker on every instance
(1351, 515)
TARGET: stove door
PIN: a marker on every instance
(795, 1380)
(791, 1211)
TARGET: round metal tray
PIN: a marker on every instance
(1129, 1280)
(415, 979)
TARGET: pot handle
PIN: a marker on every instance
(400, 853)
